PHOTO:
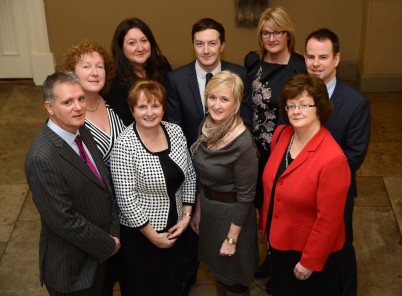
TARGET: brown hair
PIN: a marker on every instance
(314, 87)
(152, 90)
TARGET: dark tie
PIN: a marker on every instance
(208, 76)
(86, 159)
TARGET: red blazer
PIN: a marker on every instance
(309, 199)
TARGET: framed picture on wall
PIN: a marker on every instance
(248, 12)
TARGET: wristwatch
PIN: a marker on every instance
(231, 241)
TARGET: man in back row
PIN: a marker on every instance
(349, 125)
(186, 107)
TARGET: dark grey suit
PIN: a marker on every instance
(77, 212)
(184, 105)
(350, 126)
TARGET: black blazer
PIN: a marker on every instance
(78, 214)
(350, 125)
(184, 105)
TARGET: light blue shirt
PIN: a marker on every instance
(69, 138)
(331, 86)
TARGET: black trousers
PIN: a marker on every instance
(189, 256)
(284, 283)
(112, 274)
(348, 267)
(262, 161)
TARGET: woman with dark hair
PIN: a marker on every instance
(306, 181)
(136, 55)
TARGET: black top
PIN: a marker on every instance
(174, 177)
(118, 94)
(264, 83)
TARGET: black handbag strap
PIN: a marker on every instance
(280, 133)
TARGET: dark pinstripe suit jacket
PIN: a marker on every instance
(77, 212)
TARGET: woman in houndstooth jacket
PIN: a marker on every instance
(154, 181)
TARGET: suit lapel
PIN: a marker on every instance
(193, 82)
(224, 66)
(67, 153)
(304, 154)
(337, 102)
(96, 156)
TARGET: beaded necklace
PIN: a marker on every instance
(288, 151)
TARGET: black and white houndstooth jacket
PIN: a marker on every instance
(139, 182)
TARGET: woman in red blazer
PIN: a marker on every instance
(305, 181)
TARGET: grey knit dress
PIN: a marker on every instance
(232, 168)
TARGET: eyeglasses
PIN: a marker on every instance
(267, 34)
(291, 108)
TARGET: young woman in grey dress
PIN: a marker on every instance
(226, 161)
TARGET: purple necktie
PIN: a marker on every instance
(86, 158)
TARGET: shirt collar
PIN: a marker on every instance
(65, 135)
(201, 72)
(331, 86)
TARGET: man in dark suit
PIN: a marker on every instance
(74, 197)
(186, 107)
(349, 125)
(186, 85)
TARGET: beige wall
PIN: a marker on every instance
(171, 21)
(380, 65)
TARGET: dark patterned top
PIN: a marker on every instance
(105, 142)
(267, 81)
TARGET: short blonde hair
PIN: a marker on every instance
(279, 20)
(226, 78)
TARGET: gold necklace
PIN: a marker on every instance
(97, 106)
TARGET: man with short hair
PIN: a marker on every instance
(72, 190)
(186, 85)
(349, 125)
(186, 107)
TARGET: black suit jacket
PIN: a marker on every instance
(184, 105)
(350, 126)
(78, 214)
